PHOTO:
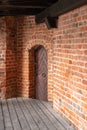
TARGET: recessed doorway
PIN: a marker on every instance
(41, 73)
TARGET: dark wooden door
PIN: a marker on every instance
(41, 73)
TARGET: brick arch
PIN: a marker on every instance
(46, 43)
(27, 88)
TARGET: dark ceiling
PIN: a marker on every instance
(46, 11)
(24, 7)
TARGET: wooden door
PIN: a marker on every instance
(41, 73)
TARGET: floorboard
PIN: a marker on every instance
(30, 114)
(1, 117)
(14, 117)
(6, 116)
(42, 115)
(36, 117)
(54, 121)
(21, 115)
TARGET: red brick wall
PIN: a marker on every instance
(2, 57)
(11, 69)
(29, 35)
(70, 67)
(67, 61)
(7, 57)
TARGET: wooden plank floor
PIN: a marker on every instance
(29, 114)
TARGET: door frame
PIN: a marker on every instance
(37, 48)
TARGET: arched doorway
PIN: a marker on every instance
(41, 73)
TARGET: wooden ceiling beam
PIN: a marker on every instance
(21, 7)
(60, 7)
(51, 22)
(17, 12)
(24, 3)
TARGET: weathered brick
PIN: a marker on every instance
(85, 82)
(33, 35)
(72, 54)
(67, 61)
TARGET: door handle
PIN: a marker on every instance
(43, 74)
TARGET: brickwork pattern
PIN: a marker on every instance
(70, 67)
(7, 57)
(67, 61)
(30, 35)
(2, 57)
(11, 70)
